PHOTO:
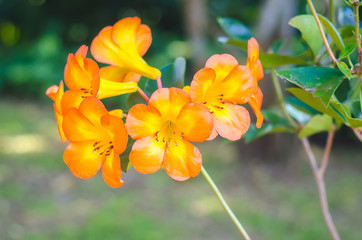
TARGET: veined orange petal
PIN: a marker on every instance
(143, 39)
(255, 103)
(81, 160)
(143, 121)
(203, 85)
(222, 65)
(232, 121)
(186, 89)
(213, 135)
(104, 49)
(124, 31)
(77, 127)
(195, 122)
(147, 155)
(182, 161)
(111, 170)
(116, 131)
(111, 89)
(93, 109)
(238, 86)
(82, 51)
(117, 113)
(72, 98)
(169, 101)
(117, 74)
(259, 70)
(59, 117)
(52, 91)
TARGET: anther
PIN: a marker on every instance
(204, 102)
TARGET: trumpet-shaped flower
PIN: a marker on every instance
(56, 94)
(220, 86)
(256, 68)
(162, 131)
(82, 77)
(123, 45)
(96, 140)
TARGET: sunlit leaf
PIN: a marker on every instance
(309, 30)
(346, 112)
(318, 123)
(344, 69)
(272, 60)
(332, 31)
(348, 50)
(234, 28)
(322, 82)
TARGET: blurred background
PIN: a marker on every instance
(268, 182)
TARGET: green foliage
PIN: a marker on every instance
(344, 69)
(348, 50)
(235, 28)
(310, 32)
(273, 124)
(318, 123)
(322, 82)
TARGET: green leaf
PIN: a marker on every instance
(298, 115)
(135, 98)
(346, 112)
(125, 164)
(272, 60)
(332, 31)
(234, 28)
(273, 124)
(348, 50)
(318, 123)
(309, 30)
(344, 69)
(243, 45)
(173, 75)
(322, 82)
(300, 105)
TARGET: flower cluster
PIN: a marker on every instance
(162, 129)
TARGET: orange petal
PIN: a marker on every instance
(255, 103)
(143, 39)
(59, 118)
(52, 91)
(72, 98)
(169, 101)
(253, 49)
(116, 131)
(259, 70)
(81, 160)
(147, 155)
(238, 86)
(111, 170)
(93, 109)
(195, 122)
(143, 121)
(213, 135)
(111, 89)
(124, 31)
(117, 74)
(232, 121)
(82, 51)
(222, 64)
(182, 161)
(117, 113)
(203, 85)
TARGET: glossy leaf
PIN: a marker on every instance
(273, 124)
(344, 69)
(319, 123)
(317, 104)
(346, 112)
(322, 82)
(272, 60)
(332, 31)
(309, 30)
(234, 28)
(173, 75)
(300, 105)
(348, 50)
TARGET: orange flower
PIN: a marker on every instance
(123, 45)
(256, 68)
(162, 131)
(220, 86)
(56, 94)
(96, 139)
(82, 77)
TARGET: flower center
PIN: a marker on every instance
(87, 92)
(215, 103)
(169, 135)
(103, 147)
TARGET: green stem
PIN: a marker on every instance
(325, 41)
(358, 38)
(224, 204)
(278, 91)
(331, 11)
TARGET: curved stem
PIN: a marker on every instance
(143, 94)
(159, 83)
(224, 204)
(278, 91)
(325, 41)
(356, 31)
(327, 151)
(321, 190)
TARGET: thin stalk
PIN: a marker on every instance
(325, 41)
(159, 82)
(143, 94)
(321, 189)
(224, 204)
(356, 31)
(327, 151)
(331, 11)
(279, 93)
